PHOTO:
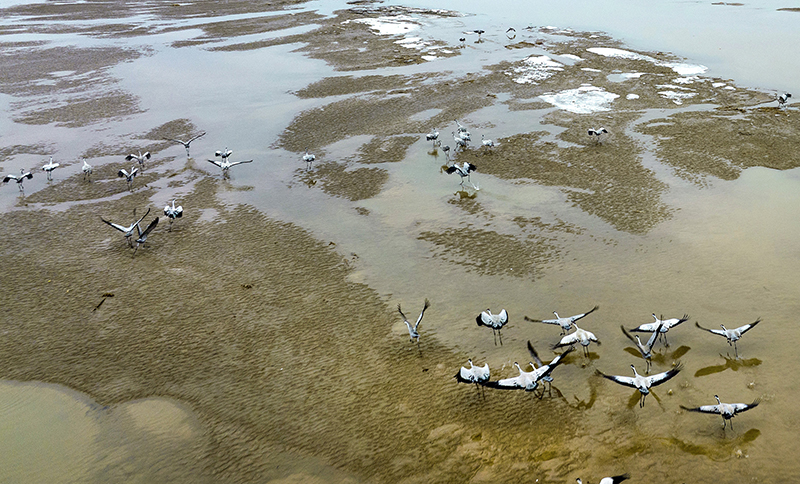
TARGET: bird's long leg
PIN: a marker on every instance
(494, 333)
(641, 403)
(501, 337)
(735, 349)
(647, 368)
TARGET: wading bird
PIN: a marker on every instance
(49, 167)
(726, 410)
(609, 480)
(565, 323)
(579, 336)
(783, 99)
(732, 335)
(479, 32)
(19, 178)
(140, 158)
(446, 150)
(474, 374)
(227, 165)
(224, 154)
(186, 143)
(413, 331)
(545, 375)
(527, 380)
(432, 136)
(597, 133)
(143, 235)
(87, 170)
(173, 212)
(666, 324)
(127, 231)
(645, 349)
(460, 142)
(309, 159)
(128, 176)
(494, 321)
(463, 171)
(486, 142)
(643, 383)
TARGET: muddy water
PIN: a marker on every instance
(258, 340)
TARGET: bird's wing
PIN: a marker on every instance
(28, 175)
(743, 407)
(403, 315)
(464, 375)
(628, 335)
(146, 155)
(122, 173)
(234, 163)
(9, 177)
(579, 316)
(546, 321)
(143, 216)
(747, 327)
(660, 378)
(451, 170)
(653, 337)
(645, 328)
(676, 321)
(195, 137)
(553, 364)
(534, 354)
(130, 157)
(484, 319)
(149, 228)
(116, 226)
(622, 380)
(471, 167)
(507, 383)
(134, 171)
(703, 409)
(184, 143)
(481, 372)
(616, 479)
(218, 163)
(569, 339)
(424, 307)
(715, 331)
(503, 316)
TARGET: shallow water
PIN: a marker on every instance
(726, 254)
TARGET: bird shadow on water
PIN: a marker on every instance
(661, 358)
(636, 397)
(466, 195)
(730, 363)
(719, 450)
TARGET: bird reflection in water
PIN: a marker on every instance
(732, 363)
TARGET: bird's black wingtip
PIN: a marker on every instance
(479, 320)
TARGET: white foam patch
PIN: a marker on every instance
(429, 57)
(583, 100)
(632, 96)
(397, 25)
(572, 56)
(679, 67)
(731, 88)
(632, 75)
(589, 69)
(718, 84)
(534, 69)
(677, 97)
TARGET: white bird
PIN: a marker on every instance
(432, 136)
(129, 176)
(224, 154)
(645, 349)
(732, 335)
(565, 323)
(186, 143)
(486, 142)
(666, 324)
(527, 380)
(783, 99)
(173, 212)
(140, 157)
(87, 170)
(227, 165)
(309, 158)
(127, 231)
(464, 135)
(460, 142)
(461, 128)
(413, 331)
(597, 133)
(579, 336)
(545, 375)
(49, 167)
(726, 410)
(643, 383)
(19, 178)
(446, 150)
(474, 374)
(494, 321)
(463, 171)
(143, 235)
(609, 480)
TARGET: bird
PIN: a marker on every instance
(783, 99)
(643, 383)
(545, 376)
(143, 235)
(446, 150)
(140, 157)
(527, 380)
(579, 336)
(432, 136)
(610, 480)
(645, 349)
(186, 143)
(463, 170)
(666, 324)
(461, 128)
(597, 133)
(308, 158)
(173, 212)
(460, 142)
(494, 321)
(462, 40)
(486, 142)
(413, 331)
(19, 178)
(479, 32)
(464, 135)
(129, 176)
(226, 165)
(732, 335)
(87, 170)
(49, 167)
(224, 154)
(474, 374)
(565, 323)
(127, 231)
(726, 410)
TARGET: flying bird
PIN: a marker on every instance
(579, 336)
(128, 176)
(309, 159)
(643, 383)
(227, 165)
(19, 178)
(143, 235)
(127, 231)
(413, 331)
(565, 323)
(609, 480)
(474, 374)
(783, 99)
(139, 157)
(173, 212)
(494, 321)
(645, 349)
(463, 171)
(666, 325)
(597, 133)
(186, 143)
(527, 380)
(224, 154)
(49, 167)
(87, 170)
(732, 335)
(545, 373)
(726, 410)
